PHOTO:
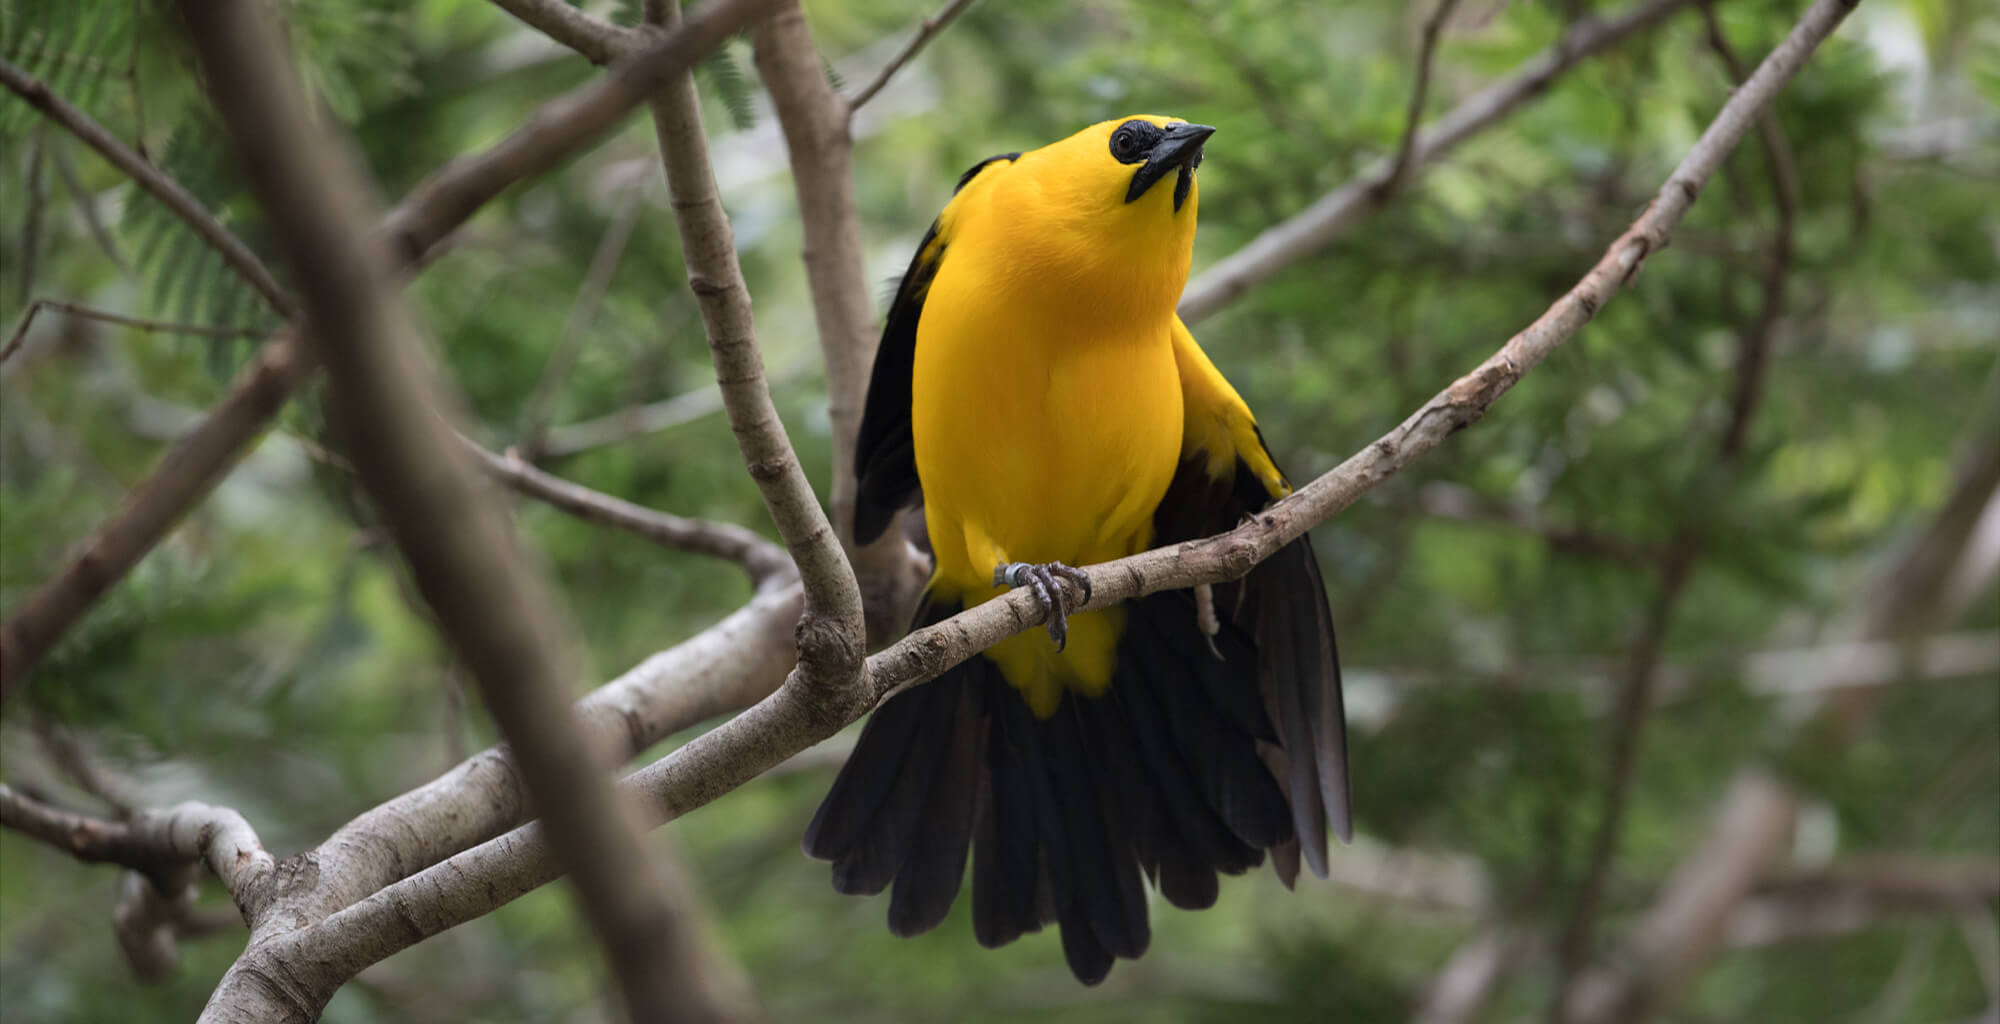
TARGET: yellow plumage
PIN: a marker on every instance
(1035, 390)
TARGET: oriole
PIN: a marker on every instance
(1036, 391)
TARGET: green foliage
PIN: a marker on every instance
(271, 655)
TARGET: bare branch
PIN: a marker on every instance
(168, 191)
(1426, 53)
(186, 473)
(460, 548)
(20, 334)
(831, 633)
(926, 31)
(561, 127)
(1283, 244)
(445, 200)
(596, 281)
(600, 42)
(154, 842)
(795, 717)
(815, 122)
(764, 561)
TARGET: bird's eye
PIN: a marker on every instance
(1131, 142)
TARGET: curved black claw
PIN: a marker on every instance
(1041, 581)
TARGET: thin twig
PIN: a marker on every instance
(596, 281)
(87, 205)
(495, 612)
(156, 183)
(483, 877)
(1426, 54)
(832, 634)
(1285, 243)
(598, 41)
(764, 561)
(20, 335)
(926, 31)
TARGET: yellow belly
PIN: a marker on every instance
(1040, 437)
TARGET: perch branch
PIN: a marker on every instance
(600, 42)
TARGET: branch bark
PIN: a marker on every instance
(796, 716)
(460, 548)
(1285, 243)
(832, 636)
(154, 842)
(764, 561)
(815, 122)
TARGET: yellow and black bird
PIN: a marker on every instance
(1037, 393)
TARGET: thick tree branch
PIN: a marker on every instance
(815, 123)
(600, 42)
(154, 842)
(764, 561)
(558, 130)
(475, 882)
(460, 548)
(182, 477)
(169, 192)
(926, 31)
(1283, 244)
(832, 635)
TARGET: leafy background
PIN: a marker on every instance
(269, 656)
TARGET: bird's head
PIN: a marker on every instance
(1116, 200)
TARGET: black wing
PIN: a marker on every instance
(885, 458)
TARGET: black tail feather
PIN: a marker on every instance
(1169, 774)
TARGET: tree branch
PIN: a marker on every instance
(460, 548)
(1426, 53)
(154, 842)
(20, 335)
(561, 127)
(486, 876)
(600, 42)
(832, 636)
(596, 281)
(815, 123)
(1285, 243)
(169, 192)
(926, 31)
(764, 561)
(182, 477)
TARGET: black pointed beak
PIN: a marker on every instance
(1179, 149)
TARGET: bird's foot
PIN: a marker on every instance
(1043, 581)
